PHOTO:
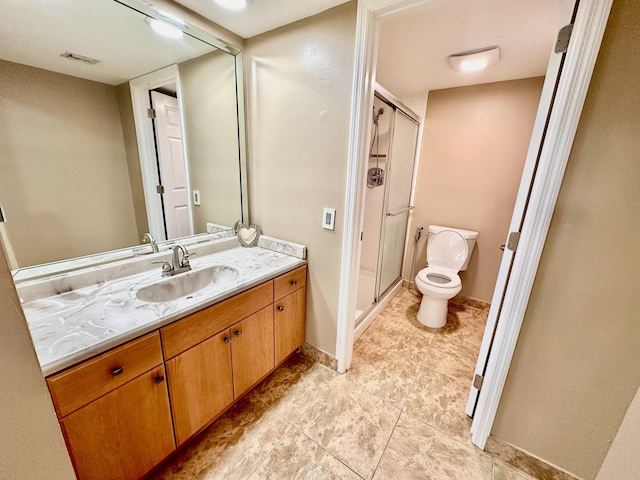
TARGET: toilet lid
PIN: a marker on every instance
(447, 249)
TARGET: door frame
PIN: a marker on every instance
(580, 59)
(146, 144)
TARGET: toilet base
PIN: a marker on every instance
(433, 312)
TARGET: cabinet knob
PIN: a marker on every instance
(294, 282)
(280, 308)
(159, 379)
(227, 339)
(238, 333)
(117, 371)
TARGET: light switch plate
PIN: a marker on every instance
(196, 197)
(328, 218)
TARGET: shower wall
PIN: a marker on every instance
(374, 203)
(474, 145)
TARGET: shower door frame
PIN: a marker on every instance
(588, 32)
(395, 105)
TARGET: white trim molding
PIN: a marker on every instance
(146, 143)
(588, 30)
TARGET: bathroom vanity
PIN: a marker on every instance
(154, 386)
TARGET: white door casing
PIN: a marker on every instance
(172, 165)
(140, 88)
(588, 31)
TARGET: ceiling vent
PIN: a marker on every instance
(79, 58)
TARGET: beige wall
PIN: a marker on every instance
(576, 367)
(299, 90)
(622, 461)
(474, 146)
(31, 443)
(125, 106)
(64, 181)
(210, 112)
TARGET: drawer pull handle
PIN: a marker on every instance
(227, 339)
(238, 333)
(159, 379)
(117, 371)
(294, 282)
(281, 308)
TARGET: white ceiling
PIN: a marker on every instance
(413, 49)
(414, 46)
(36, 32)
(260, 15)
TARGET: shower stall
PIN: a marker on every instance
(390, 172)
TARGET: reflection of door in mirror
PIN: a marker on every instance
(171, 165)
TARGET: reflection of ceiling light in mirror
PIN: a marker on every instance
(232, 4)
(163, 28)
(474, 60)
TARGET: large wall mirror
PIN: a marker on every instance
(86, 164)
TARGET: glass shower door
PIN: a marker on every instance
(396, 214)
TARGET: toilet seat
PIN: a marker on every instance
(439, 277)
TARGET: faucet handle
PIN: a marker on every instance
(185, 258)
(166, 266)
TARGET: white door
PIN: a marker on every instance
(545, 107)
(171, 164)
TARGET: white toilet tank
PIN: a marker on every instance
(469, 235)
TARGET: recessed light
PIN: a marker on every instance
(474, 60)
(232, 4)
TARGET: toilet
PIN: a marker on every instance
(448, 252)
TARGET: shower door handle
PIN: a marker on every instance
(398, 212)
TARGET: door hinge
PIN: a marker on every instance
(361, 235)
(151, 112)
(477, 381)
(564, 35)
(512, 242)
(160, 189)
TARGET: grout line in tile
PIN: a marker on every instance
(386, 445)
(325, 450)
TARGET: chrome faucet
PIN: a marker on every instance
(148, 238)
(177, 265)
(180, 265)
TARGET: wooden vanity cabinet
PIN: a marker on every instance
(252, 350)
(122, 413)
(289, 312)
(123, 427)
(209, 368)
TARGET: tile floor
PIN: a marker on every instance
(398, 413)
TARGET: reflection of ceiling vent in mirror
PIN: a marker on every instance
(79, 58)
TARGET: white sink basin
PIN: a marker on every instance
(189, 283)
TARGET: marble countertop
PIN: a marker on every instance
(77, 315)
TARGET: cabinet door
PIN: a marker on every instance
(289, 319)
(252, 350)
(123, 434)
(200, 384)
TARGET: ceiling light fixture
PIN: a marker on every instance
(163, 28)
(474, 60)
(232, 4)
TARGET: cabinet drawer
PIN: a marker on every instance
(185, 333)
(287, 283)
(83, 383)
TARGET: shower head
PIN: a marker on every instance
(377, 115)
